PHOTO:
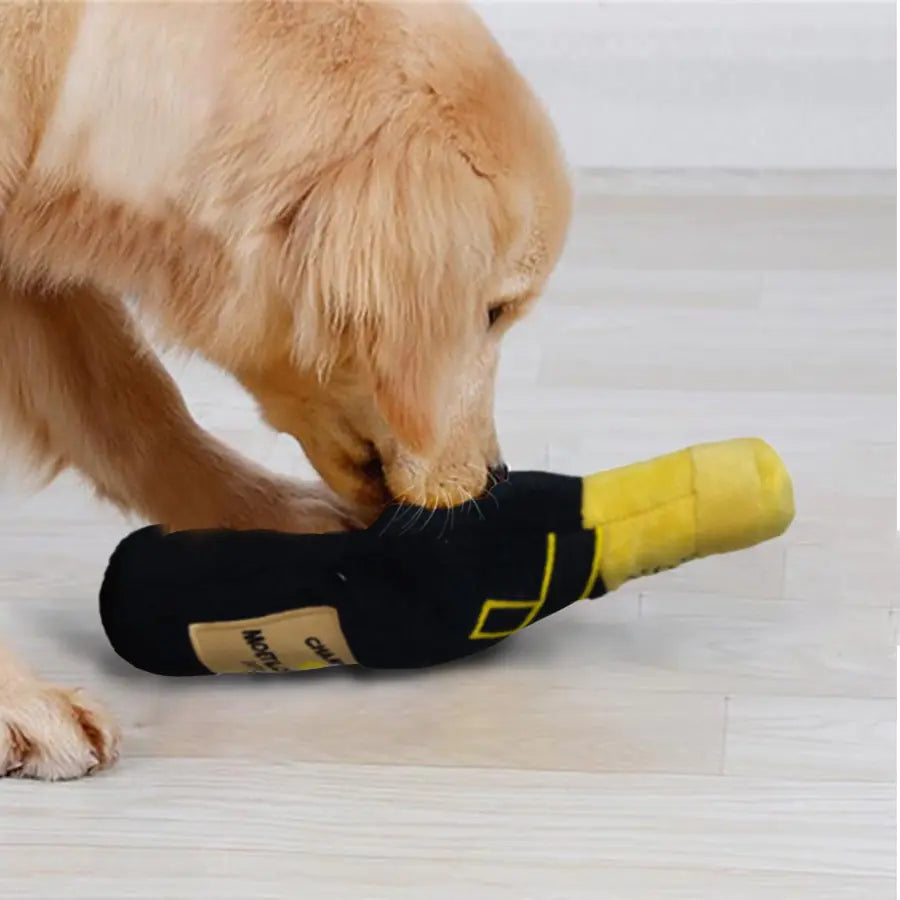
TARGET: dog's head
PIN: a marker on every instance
(402, 266)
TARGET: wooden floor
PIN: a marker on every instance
(725, 731)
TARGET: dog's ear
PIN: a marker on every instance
(387, 258)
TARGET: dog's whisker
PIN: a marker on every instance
(489, 493)
(434, 508)
(398, 512)
(390, 521)
(417, 513)
(409, 520)
(448, 520)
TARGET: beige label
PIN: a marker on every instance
(289, 641)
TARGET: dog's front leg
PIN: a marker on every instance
(86, 391)
(80, 388)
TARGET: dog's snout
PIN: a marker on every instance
(499, 472)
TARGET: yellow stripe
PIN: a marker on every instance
(545, 584)
(595, 564)
(488, 605)
(535, 605)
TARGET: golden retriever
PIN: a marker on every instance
(343, 204)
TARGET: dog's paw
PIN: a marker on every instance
(316, 509)
(53, 733)
(301, 508)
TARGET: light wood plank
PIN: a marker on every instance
(841, 571)
(467, 814)
(811, 737)
(236, 875)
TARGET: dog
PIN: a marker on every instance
(345, 205)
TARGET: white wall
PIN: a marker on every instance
(723, 84)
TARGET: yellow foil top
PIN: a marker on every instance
(712, 498)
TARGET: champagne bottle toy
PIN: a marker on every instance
(419, 587)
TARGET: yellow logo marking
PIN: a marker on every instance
(534, 606)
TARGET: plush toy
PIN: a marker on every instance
(424, 587)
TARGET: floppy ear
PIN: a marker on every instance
(389, 254)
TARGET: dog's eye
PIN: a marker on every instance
(494, 313)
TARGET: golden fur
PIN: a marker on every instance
(332, 201)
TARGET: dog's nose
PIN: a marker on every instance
(499, 472)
